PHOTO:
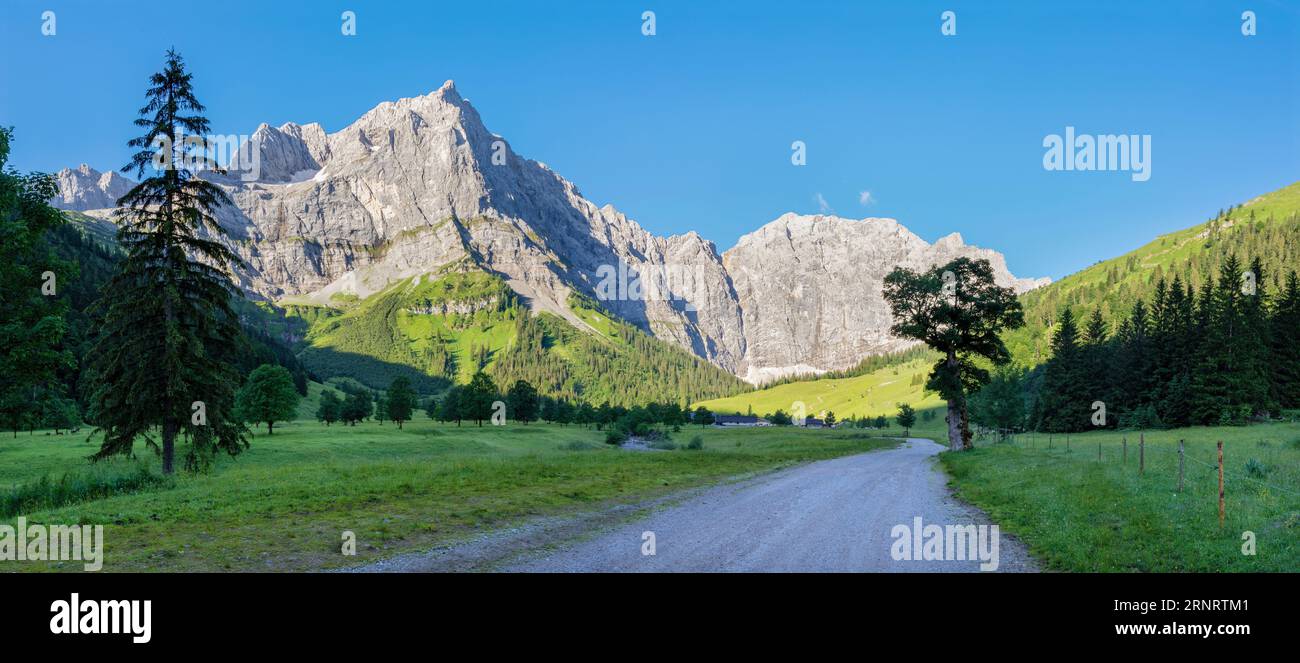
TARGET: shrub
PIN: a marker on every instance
(1256, 469)
(74, 487)
(615, 437)
(696, 443)
(664, 444)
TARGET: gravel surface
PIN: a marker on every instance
(828, 516)
(833, 515)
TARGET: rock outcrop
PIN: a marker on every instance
(417, 184)
(86, 188)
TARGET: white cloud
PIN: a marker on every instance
(865, 198)
(822, 206)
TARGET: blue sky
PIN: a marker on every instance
(691, 129)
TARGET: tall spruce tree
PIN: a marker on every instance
(1063, 399)
(1177, 342)
(1285, 337)
(1254, 341)
(1132, 385)
(1221, 394)
(161, 363)
(1094, 363)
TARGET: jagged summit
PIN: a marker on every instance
(420, 183)
(87, 189)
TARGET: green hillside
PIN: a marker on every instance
(875, 393)
(1267, 226)
(442, 327)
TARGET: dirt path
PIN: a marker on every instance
(833, 515)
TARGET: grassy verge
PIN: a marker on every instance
(285, 503)
(1081, 513)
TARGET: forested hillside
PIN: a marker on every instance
(441, 328)
(1267, 227)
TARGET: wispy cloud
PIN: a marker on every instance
(865, 198)
(822, 206)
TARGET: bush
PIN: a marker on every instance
(1256, 469)
(74, 487)
(696, 443)
(615, 437)
(664, 444)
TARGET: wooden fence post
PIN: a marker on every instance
(1126, 450)
(1220, 445)
(1142, 453)
(1180, 466)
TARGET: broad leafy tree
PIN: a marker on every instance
(162, 362)
(400, 400)
(477, 398)
(521, 401)
(268, 396)
(31, 308)
(906, 418)
(958, 310)
(327, 411)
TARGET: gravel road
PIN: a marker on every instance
(828, 516)
(834, 515)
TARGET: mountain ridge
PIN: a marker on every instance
(420, 182)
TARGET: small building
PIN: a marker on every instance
(813, 422)
(739, 420)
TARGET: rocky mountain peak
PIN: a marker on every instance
(420, 183)
(87, 189)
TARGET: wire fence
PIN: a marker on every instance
(1261, 477)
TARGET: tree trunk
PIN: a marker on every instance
(954, 425)
(269, 429)
(168, 446)
(399, 424)
(965, 429)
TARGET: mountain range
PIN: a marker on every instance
(418, 189)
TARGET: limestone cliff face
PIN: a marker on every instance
(810, 289)
(85, 188)
(418, 184)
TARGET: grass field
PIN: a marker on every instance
(284, 504)
(875, 393)
(1078, 513)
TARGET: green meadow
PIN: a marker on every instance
(875, 393)
(1080, 512)
(284, 504)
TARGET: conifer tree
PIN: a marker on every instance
(1063, 398)
(1285, 345)
(162, 361)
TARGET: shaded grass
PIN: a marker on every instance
(285, 503)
